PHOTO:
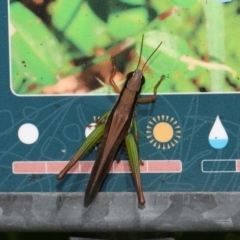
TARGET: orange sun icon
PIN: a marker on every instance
(163, 132)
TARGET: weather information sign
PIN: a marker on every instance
(56, 81)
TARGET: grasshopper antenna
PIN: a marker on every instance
(150, 55)
(140, 52)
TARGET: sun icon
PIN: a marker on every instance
(163, 132)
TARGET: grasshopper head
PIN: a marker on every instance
(135, 80)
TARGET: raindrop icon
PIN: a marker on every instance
(218, 137)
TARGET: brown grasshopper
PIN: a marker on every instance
(115, 127)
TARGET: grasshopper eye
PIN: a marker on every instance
(143, 80)
(130, 74)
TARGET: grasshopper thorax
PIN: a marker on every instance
(136, 80)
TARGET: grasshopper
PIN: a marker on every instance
(114, 127)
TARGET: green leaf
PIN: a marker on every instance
(26, 64)
(173, 46)
(35, 34)
(63, 12)
(167, 61)
(215, 39)
(134, 2)
(36, 54)
(82, 27)
(184, 3)
(127, 23)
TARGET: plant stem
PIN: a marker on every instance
(215, 39)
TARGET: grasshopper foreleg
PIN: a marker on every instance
(153, 97)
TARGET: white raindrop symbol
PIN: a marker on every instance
(218, 137)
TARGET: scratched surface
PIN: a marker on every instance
(61, 122)
(120, 212)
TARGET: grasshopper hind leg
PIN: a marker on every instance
(133, 155)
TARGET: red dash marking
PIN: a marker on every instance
(86, 166)
(75, 168)
(144, 166)
(164, 166)
(237, 165)
(121, 167)
(112, 169)
(57, 166)
(30, 167)
(54, 167)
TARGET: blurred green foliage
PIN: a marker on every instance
(53, 40)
